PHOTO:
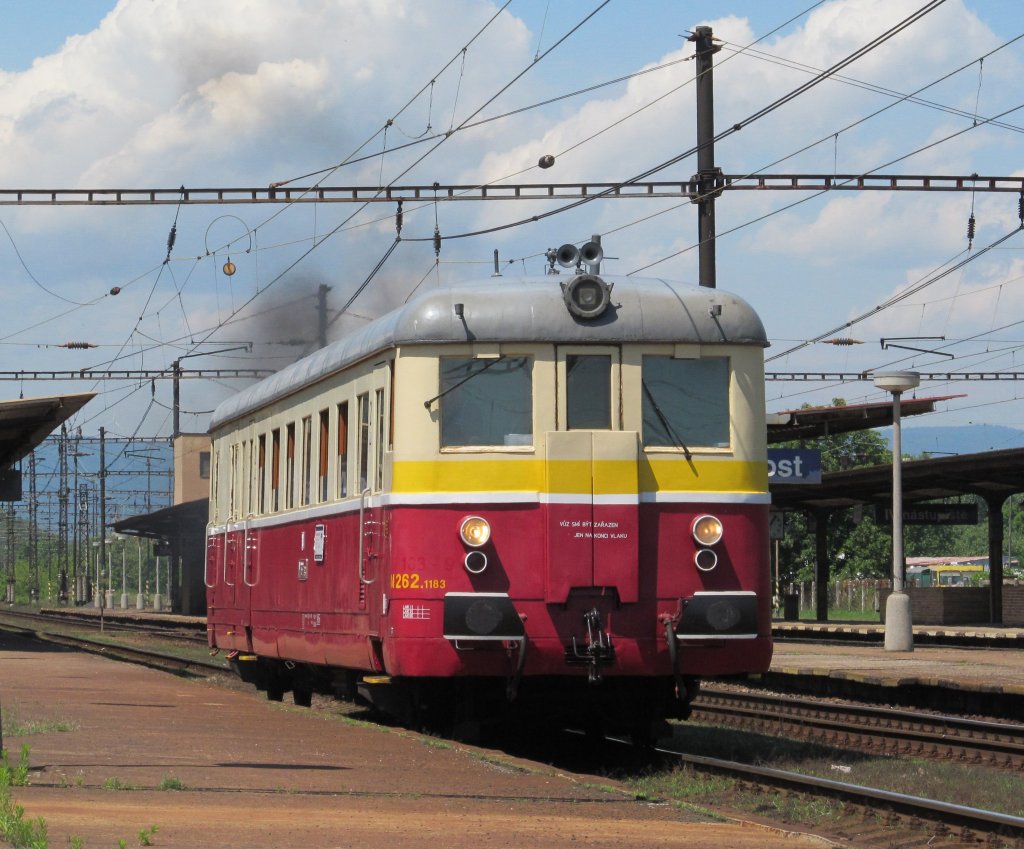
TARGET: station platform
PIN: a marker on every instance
(967, 636)
(975, 669)
(967, 677)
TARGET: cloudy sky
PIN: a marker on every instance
(142, 94)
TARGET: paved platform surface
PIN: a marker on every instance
(981, 669)
(265, 776)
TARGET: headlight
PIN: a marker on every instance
(475, 531)
(707, 530)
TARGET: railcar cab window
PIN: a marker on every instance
(588, 391)
(486, 402)
(685, 402)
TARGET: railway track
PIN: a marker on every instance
(883, 814)
(170, 628)
(51, 630)
(882, 810)
(878, 730)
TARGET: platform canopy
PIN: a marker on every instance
(990, 474)
(167, 523)
(25, 423)
(811, 422)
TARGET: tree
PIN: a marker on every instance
(857, 546)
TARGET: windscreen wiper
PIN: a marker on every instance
(671, 431)
(466, 379)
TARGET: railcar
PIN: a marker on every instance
(544, 494)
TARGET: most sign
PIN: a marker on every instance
(794, 466)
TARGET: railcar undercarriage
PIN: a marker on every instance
(472, 708)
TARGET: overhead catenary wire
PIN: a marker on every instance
(657, 213)
(345, 221)
(735, 128)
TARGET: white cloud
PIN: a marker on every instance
(166, 93)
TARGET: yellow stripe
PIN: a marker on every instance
(703, 476)
(576, 476)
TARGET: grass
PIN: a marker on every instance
(980, 787)
(15, 829)
(169, 782)
(14, 726)
(118, 784)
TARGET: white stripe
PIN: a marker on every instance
(705, 498)
(325, 511)
(691, 637)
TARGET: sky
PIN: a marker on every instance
(148, 94)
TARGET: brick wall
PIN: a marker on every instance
(960, 605)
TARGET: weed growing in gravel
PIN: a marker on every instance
(146, 835)
(21, 833)
(14, 776)
(118, 784)
(14, 726)
(18, 831)
(679, 783)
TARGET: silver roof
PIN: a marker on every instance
(520, 309)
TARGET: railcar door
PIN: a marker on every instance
(591, 470)
(232, 540)
(220, 569)
(373, 438)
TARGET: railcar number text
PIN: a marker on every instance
(412, 581)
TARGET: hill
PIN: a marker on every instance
(964, 439)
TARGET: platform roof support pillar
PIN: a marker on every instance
(821, 564)
(995, 557)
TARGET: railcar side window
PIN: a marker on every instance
(322, 448)
(486, 401)
(588, 391)
(289, 467)
(236, 483)
(685, 402)
(307, 460)
(262, 462)
(343, 449)
(275, 469)
(363, 458)
(378, 454)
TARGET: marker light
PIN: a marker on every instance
(705, 559)
(707, 530)
(476, 562)
(475, 531)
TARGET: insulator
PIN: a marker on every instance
(970, 228)
(171, 237)
(77, 345)
(1020, 208)
(437, 242)
(843, 340)
(398, 218)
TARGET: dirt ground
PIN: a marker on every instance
(259, 775)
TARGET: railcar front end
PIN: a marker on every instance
(490, 499)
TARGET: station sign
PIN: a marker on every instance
(10, 485)
(931, 514)
(794, 466)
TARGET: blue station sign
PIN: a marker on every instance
(794, 466)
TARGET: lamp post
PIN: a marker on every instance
(899, 631)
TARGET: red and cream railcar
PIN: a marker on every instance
(528, 492)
